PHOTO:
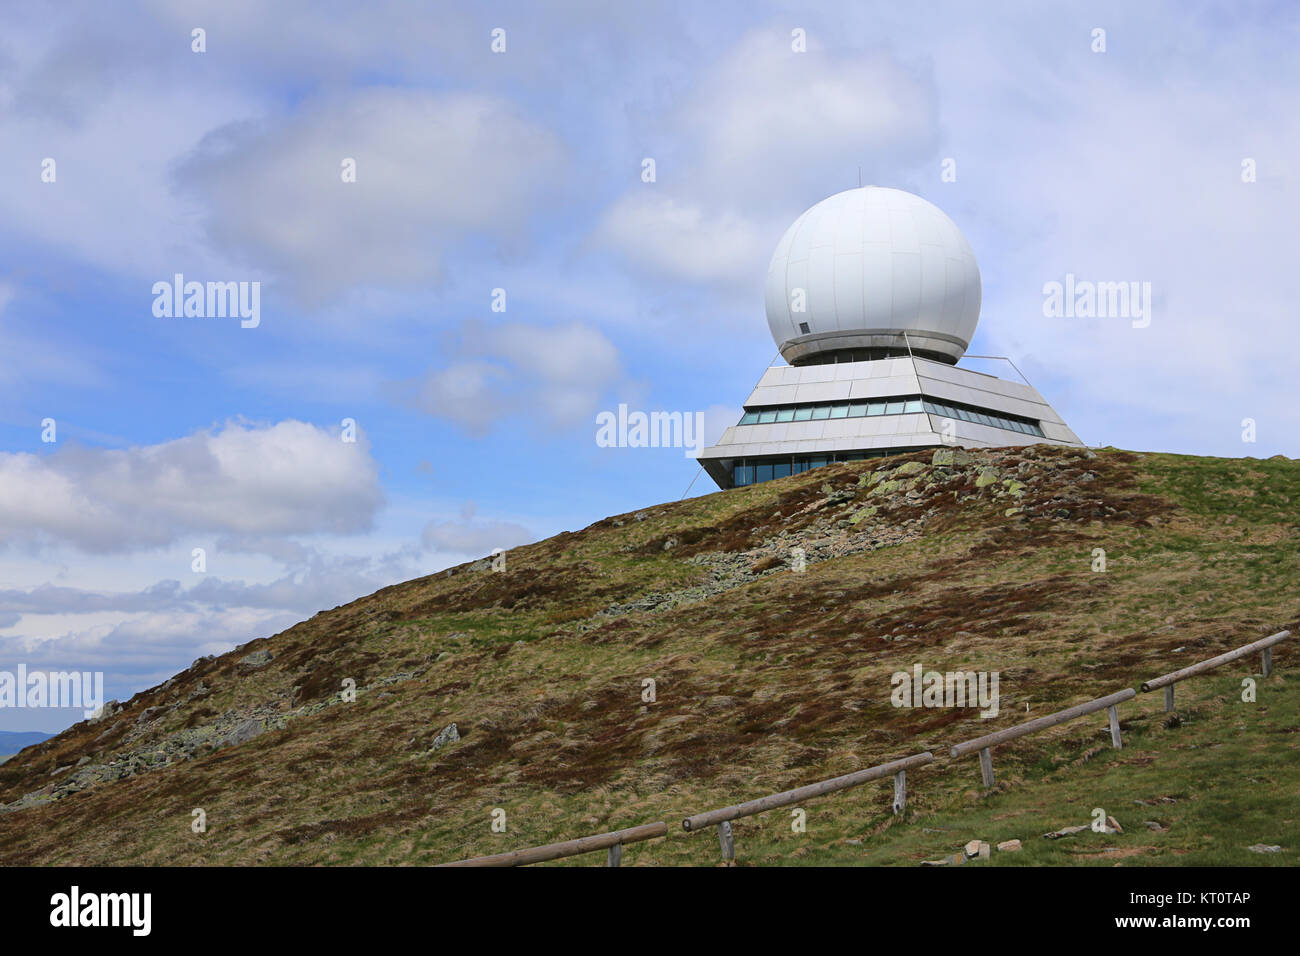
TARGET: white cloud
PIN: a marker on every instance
(764, 124)
(681, 240)
(763, 114)
(287, 478)
(432, 169)
(556, 375)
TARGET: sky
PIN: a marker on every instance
(437, 333)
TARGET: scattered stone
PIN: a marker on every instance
(1009, 846)
(448, 735)
(1264, 848)
(950, 456)
(1066, 831)
(957, 859)
(107, 710)
(256, 659)
(83, 761)
(243, 732)
(1155, 826)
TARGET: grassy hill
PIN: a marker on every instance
(765, 678)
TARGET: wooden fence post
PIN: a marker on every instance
(726, 841)
(986, 766)
(900, 791)
(1112, 713)
(615, 856)
(1266, 659)
(1169, 698)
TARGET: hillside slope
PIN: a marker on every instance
(765, 678)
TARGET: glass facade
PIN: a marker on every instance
(751, 471)
(900, 405)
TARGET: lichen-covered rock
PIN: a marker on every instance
(950, 457)
(242, 732)
(448, 735)
(862, 514)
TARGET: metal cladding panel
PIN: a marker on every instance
(778, 310)
(729, 437)
(1049, 417)
(977, 380)
(907, 282)
(1060, 433)
(796, 272)
(811, 374)
(879, 387)
(934, 278)
(823, 392)
(943, 391)
(772, 395)
(846, 371)
(803, 431)
(877, 286)
(820, 290)
(987, 392)
(953, 375)
(773, 376)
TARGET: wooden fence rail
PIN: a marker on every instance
(1264, 647)
(722, 818)
(986, 743)
(613, 842)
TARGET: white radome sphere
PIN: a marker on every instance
(872, 263)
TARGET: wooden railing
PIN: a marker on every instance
(613, 842)
(986, 743)
(1264, 646)
(722, 818)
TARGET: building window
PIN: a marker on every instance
(900, 405)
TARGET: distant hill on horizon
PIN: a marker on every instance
(13, 741)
